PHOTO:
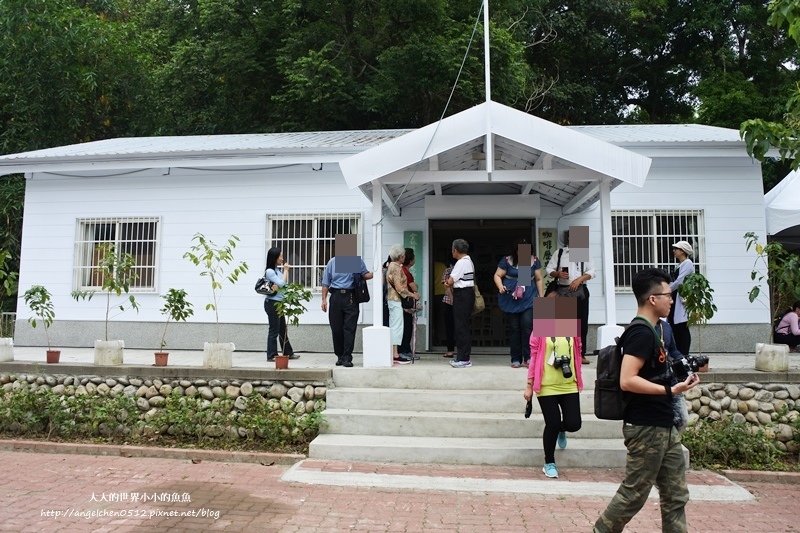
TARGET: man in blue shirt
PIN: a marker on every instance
(343, 315)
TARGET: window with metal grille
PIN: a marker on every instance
(136, 236)
(307, 242)
(644, 239)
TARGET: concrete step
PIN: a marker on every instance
(441, 378)
(457, 401)
(448, 424)
(580, 453)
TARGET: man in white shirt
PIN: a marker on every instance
(571, 277)
(462, 280)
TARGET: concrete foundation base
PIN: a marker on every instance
(218, 354)
(108, 353)
(6, 349)
(772, 357)
(607, 335)
(377, 347)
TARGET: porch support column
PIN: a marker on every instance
(608, 332)
(376, 338)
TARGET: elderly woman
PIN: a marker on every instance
(397, 287)
(678, 318)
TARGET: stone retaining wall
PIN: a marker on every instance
(773, 405)
(150, 394)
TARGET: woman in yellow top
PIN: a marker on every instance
(557, 381)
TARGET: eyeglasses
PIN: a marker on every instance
(662, 294)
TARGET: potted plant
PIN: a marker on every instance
(781, 270)
(213, 261)
(9, 286)
(116, 269)
(176, 308)
(40, 303)
(698, 300)
(290, 308)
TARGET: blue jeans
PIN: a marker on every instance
(277, 330)
(520, 326)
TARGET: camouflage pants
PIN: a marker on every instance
(655, 457)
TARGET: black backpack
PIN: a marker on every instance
(609, 398)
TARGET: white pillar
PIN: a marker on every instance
(610, 331)
(377, 340)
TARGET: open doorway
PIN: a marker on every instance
(489, 241)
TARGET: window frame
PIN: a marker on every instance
(85, 246)
(320, 247)
(658, 252)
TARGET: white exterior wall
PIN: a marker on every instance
(217, 204)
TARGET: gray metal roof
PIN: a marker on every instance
(661, 133)
(347, 141)
(350, 141)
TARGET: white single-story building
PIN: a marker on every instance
(489, 175)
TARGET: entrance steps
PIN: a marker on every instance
(438, 414)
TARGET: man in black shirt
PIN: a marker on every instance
(655, 455)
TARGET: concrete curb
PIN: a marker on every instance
(264, 458)
(760, 476)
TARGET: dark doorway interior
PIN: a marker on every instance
(489, 241)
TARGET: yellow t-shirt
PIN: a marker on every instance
(438, 270)
(553, 380)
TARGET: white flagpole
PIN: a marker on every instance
(489, 144)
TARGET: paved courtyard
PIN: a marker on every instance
(53, 492)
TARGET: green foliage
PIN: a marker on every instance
(177, 308)
(698, 300)
(8, 278)
(183, 421)
(40, 303)
(117, 271)
(780, 269)
(291, 306)
(723, 444)
(213, 261)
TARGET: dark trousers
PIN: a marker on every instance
(583, 316)
(449, 327)
(520, 326)
(408, 329)
(343, 318)
(463, 300)
(786, 338)
(683, 338)
(561, 412)
(277, 331)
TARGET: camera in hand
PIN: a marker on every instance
(562, 362)
(686, 366)
(528, 408)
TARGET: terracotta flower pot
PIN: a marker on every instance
(281, 362)
(53, 356)
(161, 358)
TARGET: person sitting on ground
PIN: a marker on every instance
(788, 329)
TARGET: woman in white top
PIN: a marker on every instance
(678, 319)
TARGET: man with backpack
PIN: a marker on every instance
(655, 454)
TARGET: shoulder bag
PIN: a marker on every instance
(360, 289)
(553, 285)
(265, 287)
(479, 305)
(407, 302)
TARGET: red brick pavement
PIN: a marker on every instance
(251, 497)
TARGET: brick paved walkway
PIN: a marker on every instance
(251, 497)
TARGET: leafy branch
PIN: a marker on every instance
(698, 299)
(291, 306)
(213, 260)
(40, 303)
(177, 308)
(117, 271)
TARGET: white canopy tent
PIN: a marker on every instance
(782, 211)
